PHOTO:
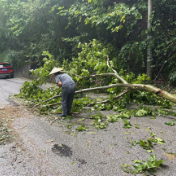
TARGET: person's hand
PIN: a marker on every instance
(59, 84)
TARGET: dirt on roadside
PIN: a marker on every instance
(7, 116)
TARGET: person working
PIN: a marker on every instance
(68, 89)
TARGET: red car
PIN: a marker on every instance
(6, 70)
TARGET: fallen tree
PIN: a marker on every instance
(157, 91)
(92, 71)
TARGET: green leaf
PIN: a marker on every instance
(170, 123)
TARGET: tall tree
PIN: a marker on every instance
(149, 51)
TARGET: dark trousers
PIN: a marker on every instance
(67, 98)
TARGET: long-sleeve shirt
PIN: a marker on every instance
(64, 79)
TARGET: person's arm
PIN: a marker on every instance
(58, 81)
(59, 84)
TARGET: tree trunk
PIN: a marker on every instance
(150, 88)
(149, 49)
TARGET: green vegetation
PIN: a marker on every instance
(126, 123)
(5, 135)
(98, 121)
(30, 27)
(82, 128)
(149, 143)
(170, 123)
(91, 40)
(147, 167)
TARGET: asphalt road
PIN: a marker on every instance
(45, 149)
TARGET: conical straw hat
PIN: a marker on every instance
(56, 70)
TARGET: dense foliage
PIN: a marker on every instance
(81, 70)
(29, 27)
(81, 36)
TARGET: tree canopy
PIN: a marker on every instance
(93, 40)
(29, 27)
